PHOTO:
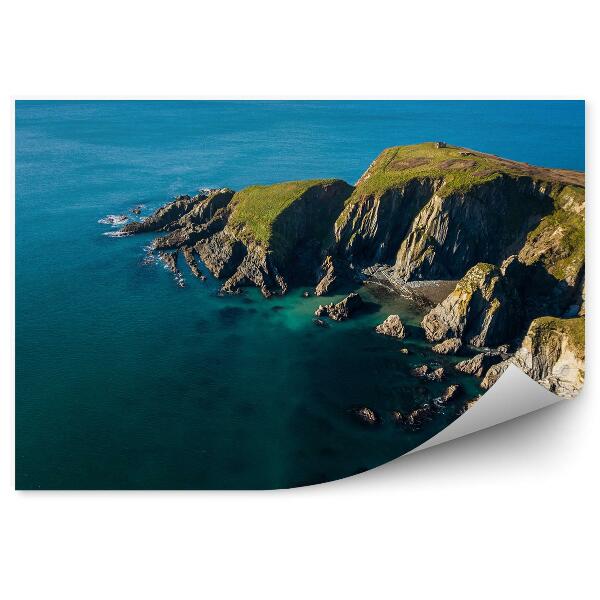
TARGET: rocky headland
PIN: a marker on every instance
(510, 235)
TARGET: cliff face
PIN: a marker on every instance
(480, 311)
(552, 353)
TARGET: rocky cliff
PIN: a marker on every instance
(512, 234)
(552, 353)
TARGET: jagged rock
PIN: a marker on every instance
(420, 371)
(188, 254)
(415, 419)
(327, 278)
(170, 260)
(449, 346)
(436, 375)
(493, 374)
(342, 310)
(450, 393)
(367, 415)
(553, 353)
(306, 294)
(392, 326)
(479, 364)
(319, 322)
(480, 311)
(404, 351)
(163, 217)
(471, 403)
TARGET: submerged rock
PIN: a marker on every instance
(392, 326)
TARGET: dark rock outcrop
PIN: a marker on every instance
(342, 310)
(450, 393)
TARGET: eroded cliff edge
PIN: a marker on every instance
(512, 234)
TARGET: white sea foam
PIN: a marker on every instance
(116, 234)
(114, 220)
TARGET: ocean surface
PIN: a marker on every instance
(125, 380)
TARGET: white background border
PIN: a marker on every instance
(506, 513)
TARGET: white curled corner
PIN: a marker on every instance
(513, 395)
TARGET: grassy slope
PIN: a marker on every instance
(564, 230)
(460, 168)
(256, 207)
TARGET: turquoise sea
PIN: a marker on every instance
(125, 380)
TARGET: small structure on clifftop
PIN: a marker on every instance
(440, 144)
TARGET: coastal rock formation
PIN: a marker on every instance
(449, 346)
(420, 371)
(493, 374)
(553, 353)
(450, 393)
(327, 277)
(436, 374)
(342, 310)
(367, 415)
(188, 254)
(480, 363)
(480, 311)
(510, 234)
(392, 326)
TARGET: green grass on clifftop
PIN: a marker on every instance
(256, 207)
(543, 328)
(460, 169)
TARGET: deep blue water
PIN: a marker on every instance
(125, 380)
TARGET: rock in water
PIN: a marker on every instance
(367, 415)
(479, 364)
(436, 375)
(188, 254)
(420, 371)
(392, 326)
(451, 393)
(450, 346)
(342, 310)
